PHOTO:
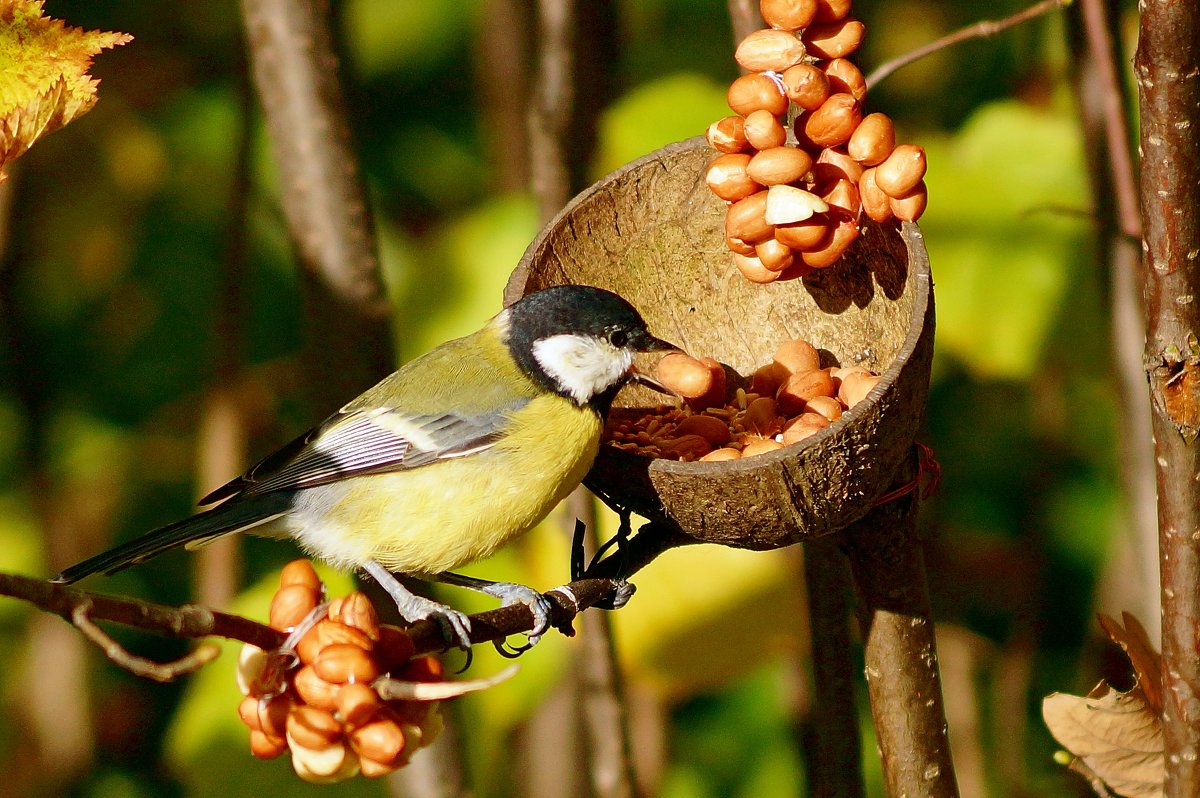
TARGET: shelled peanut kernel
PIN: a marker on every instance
(318, 701)
(800, 63)
(784, 402)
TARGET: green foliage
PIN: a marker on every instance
(1003, 233)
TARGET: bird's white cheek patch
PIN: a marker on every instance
(582, 366)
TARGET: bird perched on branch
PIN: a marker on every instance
(442, 462)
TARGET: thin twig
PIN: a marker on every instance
(978, 30)
(140, 666)
(1098, 30)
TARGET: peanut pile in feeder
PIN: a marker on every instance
(315, 697)
(795, 202)
(786, 401)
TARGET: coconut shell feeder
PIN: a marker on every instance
(654, 233)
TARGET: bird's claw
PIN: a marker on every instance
(455, 625)
(511, 594)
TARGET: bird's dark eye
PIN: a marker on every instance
(618, 338)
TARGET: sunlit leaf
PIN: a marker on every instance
(1115, 734)
(44, 83)
(1118, 736)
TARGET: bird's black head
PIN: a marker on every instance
(577, 340)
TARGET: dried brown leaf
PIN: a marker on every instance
(1145, 658)
(44, 82)
(1116, 735)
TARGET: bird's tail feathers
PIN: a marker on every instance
(234, 516)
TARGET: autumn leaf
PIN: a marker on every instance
(1117, 736)
(44, 82)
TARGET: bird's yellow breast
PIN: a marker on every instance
(439, 517)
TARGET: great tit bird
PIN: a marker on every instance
(441, 463)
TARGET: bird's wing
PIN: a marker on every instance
(360, 442)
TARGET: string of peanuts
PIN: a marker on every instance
(795, 202)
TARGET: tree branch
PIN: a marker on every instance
(1167, 66)
(82, 608)
(978, 30)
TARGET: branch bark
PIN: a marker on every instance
(900, 653)
(192, 621)
(1167, 67)
(296, 73)
(329, 222)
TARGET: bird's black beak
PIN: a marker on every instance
(645, 342)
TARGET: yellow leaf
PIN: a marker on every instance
(44, 82)
(1116, 735)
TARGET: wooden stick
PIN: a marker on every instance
(900, 651)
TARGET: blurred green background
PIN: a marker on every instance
(116, 270)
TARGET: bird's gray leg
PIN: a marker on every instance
(509, 594)
(456, 625)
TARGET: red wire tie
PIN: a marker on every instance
(929, 471)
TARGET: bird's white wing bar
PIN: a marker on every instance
(376, 441)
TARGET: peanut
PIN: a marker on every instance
(833, 122)
(875, 203)
(763, 130)
(788, 14)
(802, 386)
(685, 375)
(785, 205)
(844, 234)
(797, 356)
(750, 93)
(746, 219)
(291, 604)
(760, 446)
(843, 76)
(344, 662)
(873, 140)
(728, 179)
(754, 270)
(300, 572)
(721, 455)
(900, 173)
(769, 49)
(806, 86)
(728, 134)
(808, 234)
(855, 387)
(836, 39)
(778, 165)
(910, 207)
(311, 727)
(773, 255)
